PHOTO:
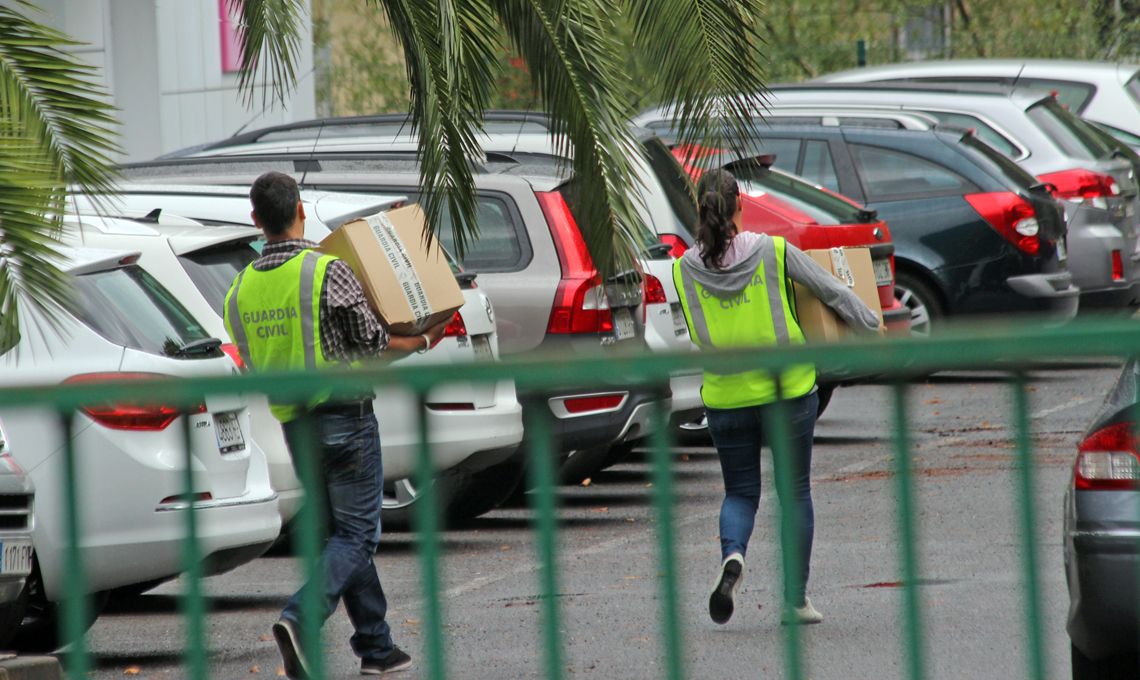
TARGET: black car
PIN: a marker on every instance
(1102, 539)
(974, 234)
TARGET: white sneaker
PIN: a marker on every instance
(803, 615)
(722, 602)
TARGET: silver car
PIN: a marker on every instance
(1098, 188)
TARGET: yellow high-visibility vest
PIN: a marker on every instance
(761, 315)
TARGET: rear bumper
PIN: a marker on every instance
(1120, 298)
(1102, 573)
(1052, 295)
(574, 432)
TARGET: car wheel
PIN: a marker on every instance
(11, 615)
(1121, 667)
(487, 489)
(917, 296)
(460, 495)
(824, 392)
(583, 464)
(695, 433)
(39, 630)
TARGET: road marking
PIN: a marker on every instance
(1060, 407)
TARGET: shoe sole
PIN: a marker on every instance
(290, 656)
(394, 669)
(722, 602)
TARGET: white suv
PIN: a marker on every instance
(472, 428)
(129, 457)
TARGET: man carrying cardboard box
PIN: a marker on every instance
(294, 308)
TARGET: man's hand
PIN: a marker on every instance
(401, 345)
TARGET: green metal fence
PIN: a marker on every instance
(1011, 349)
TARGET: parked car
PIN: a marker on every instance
(1101, 552)
(1105, 92)
(472, 429)
(955, 207)
(1099, 190)
(125, 326)
(530, 260)
(17, 510)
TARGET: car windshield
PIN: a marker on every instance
(213, 270)
(998, 164)
(675, 181)
(128, 307)
(1067, 131)
(809, 199)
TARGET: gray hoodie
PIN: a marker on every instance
(743, 257)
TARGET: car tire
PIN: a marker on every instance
(924, 305)
(583, 464)
(39, 630)
(487, 489)
(460, 495)
(11, 616)
(824, 392)
(1120, 667)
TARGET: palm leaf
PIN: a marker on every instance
(270, 37)
(55, 130)
(709, 66)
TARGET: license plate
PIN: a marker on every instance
(227, 428)
(679, 327)
(623, 324)
(883, 275)
(481, 345)
(17, 558)
(1061, 252)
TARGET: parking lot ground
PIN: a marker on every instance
(970, 569)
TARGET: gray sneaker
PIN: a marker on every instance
(722, 602)
(288, 639)
(397, 660)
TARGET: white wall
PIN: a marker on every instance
(161, 62)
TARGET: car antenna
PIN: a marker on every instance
(312, 152)
(1018, 76)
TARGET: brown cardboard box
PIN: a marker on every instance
(410, 285)
(853, 267)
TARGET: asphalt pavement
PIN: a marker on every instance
(970, 562)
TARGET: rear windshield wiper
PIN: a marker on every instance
(658, 249)
(198, 349)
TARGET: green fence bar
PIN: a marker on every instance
(73, 624)
(309, 537)
(662, 452)
(908, 549)
(193, 608)
(779, 441)
(426, 515)
(1026, 510)
(540, 466)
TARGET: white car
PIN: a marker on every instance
(129, 457)
(16, 510)
(472, 428)
(1104, 92)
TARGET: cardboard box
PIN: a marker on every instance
(410, 285)
(853, 267)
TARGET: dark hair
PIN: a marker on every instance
(717, 198)
(274, 196)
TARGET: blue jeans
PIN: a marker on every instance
(348, 451)
(738, 434)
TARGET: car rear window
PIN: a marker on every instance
(1067, 131)
(997, 164)
(643, 238)
(675, 182)
(821, 206)
(128, 307)
(981, 128)
(213, 270)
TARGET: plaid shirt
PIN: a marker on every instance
(349, 327)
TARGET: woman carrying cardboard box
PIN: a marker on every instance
(736, 291)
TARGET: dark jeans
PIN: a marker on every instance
(353, 477)
(738, 434)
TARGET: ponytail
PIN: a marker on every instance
(717, 198)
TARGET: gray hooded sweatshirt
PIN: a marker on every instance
(743, 256)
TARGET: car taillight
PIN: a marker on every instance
(455, 328)
(654, 292)
(1117, 266)
(1011, 216)
(131, 415)
(232, 352)
(1080, 185)
(580, 303)
(1107, 460)
(677, 247)
(601, 402)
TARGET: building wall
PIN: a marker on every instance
(161, 62)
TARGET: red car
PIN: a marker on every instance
(808, 216)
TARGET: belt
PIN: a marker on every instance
(353, 409)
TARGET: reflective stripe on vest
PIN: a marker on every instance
(273, 318)
(751, 318)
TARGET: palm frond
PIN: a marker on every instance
(450, 52)
(710, 66)
(576, 69)
(56, 129)
(270, 41)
